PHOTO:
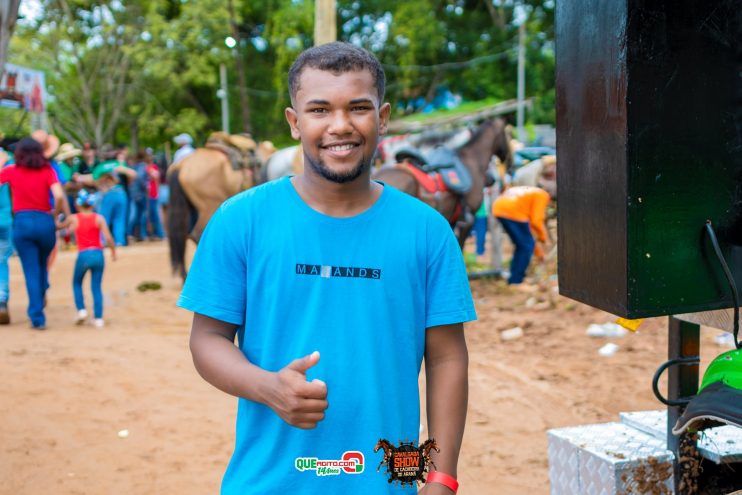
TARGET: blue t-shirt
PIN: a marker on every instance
(362, 291)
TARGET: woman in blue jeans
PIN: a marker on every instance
(89, 227)
(31, 179)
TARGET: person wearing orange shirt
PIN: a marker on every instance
(521, 210)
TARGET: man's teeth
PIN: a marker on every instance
(341, 147)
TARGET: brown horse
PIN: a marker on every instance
(490, 138)
(201, 182)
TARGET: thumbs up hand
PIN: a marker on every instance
(298, 402)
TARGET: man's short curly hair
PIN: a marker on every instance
(337, 57)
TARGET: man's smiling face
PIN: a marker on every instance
(338, 117)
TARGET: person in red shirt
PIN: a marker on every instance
(153, 202)
(88, 227)
(34, 230)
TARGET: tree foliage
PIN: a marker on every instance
(141, 71)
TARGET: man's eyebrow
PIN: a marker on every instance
(355, 101)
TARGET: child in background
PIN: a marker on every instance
(88, 227)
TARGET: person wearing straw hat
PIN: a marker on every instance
(49, 142)
(50, 146)
(68, 160)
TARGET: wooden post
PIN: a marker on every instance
(325, 23)
(684, 341)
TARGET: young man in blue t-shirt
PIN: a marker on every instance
(336, 287)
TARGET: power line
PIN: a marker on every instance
(450, 65)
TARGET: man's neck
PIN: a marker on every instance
(337, 200)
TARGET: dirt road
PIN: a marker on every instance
(68, 392)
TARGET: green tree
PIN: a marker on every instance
(142, 71)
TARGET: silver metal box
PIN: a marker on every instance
(721, 445)
(608, 459)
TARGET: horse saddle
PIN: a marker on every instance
(239, 148)
(441, 165)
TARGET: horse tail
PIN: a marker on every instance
(179, 216)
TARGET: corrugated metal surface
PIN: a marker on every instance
(607, 459)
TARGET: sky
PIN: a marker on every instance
(29, 10)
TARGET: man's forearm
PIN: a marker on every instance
(447, 398)
(223, 365)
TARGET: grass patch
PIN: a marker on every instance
(464, 108)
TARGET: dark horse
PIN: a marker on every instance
(490, 138)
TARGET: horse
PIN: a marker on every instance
(492, 137)
(202, 181)
(290, 161)
(286, 161)
(424, 141)
(387, 446)
(540, 172)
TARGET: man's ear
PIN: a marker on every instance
(384, 112)
(293, 121)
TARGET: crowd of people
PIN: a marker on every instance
(52, 195)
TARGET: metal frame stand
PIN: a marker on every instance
(684, 341)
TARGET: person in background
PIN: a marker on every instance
(480, 226)
(89, 227)
(69, 161)
(522, 210)
(6, 246)
(89, 159)
(163, 189)
(113, 201)
(50, 145)
(185, 147)
(123, 157)
(138, 193)
(153, 199)
(31, 180)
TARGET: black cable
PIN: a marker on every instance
(730, 279)
(681, 361)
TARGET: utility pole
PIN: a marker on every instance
(223, 94)
(239, 66)
(325, 21)
(521, 80)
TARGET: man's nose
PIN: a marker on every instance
(340, 123)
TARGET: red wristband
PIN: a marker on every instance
(444, 479)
